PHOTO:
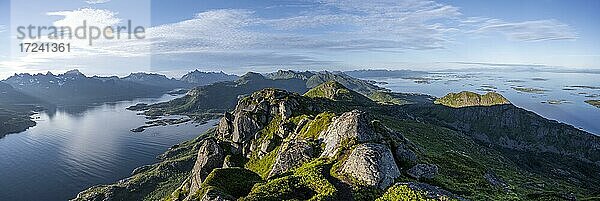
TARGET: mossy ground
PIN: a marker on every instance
(308, 182)
(236, 182)
(320, 123)
(403, 192)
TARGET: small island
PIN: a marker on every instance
(530, 90)
(468, 99)
(594, 103)
(14, 122)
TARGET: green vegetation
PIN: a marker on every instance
(307, 182)
(263, 165)
(313, 128)
(335, 91)
(236, 182)
(466, 99)
(403, 192)
(386, 98)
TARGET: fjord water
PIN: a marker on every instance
(73, 149)
(571, 108)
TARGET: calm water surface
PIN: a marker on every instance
(557, 87)
(73, 149)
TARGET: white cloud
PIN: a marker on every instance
(81, 54)
(2, 28)
(97, 1)
(539, 30)
(239, 37)
(93, 17)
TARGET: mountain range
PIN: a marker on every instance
(23, 93)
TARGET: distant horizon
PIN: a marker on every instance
(482, 68)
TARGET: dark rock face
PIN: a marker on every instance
(291, 155)
(349, 126)
(210, 156)
(405, 155)
(423, 171)
(372, 164)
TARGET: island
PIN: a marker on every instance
(594, 103)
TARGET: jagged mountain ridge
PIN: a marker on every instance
(299, 147)
(74, 88)
(199, 78)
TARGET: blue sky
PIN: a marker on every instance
(241, 36)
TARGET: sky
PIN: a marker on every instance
(240, 36)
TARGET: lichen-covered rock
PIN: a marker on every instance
(244, 127)
(210, 156)
(425, 171)
(291, 155)
(371, 164)
(417, 191)
(350, 126)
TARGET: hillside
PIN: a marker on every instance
(211, 101)
(335, 91)
(208, 102)
(16, 109)
(278, 145)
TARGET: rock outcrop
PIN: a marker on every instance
(423, 171)
(292, 155)
(418, 191)
(350, 127)
(404, 155)
(210, 156)
(252, 114)
(371, 164)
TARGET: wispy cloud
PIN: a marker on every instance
(538, 30)
(502, 64)
(2, 28)
(97, 1)
(95, 17)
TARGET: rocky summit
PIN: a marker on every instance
(323, 145)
